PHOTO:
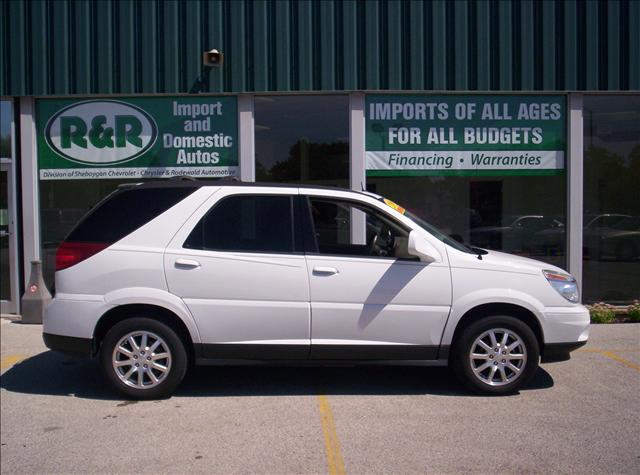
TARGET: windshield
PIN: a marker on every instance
(435, 232)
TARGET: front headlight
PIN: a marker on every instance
(565, 284)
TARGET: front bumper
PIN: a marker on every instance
(565, 330)
(566, 324)
(555, 352)
(69, 344)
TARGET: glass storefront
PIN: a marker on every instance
(306, 139)
(6, 113)
(302, 139)
(522, 215)
(611, 237)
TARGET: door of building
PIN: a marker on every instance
(8, 240)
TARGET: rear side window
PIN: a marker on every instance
(246, 223)
(125, 211)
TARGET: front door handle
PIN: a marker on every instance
(187, 264)
(325, 270)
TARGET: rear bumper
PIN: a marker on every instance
(69, 344)
(554, 352)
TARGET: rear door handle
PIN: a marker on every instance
(325, 270)
(187, 263)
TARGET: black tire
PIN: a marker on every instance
(462, 365)
(176, 365)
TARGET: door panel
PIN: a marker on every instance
(244, 299)
(378, 302)
(235, 267)
(369, 298)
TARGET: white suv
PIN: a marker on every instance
(162, 275)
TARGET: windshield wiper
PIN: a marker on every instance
(478, 251)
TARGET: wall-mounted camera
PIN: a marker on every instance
(212, 58)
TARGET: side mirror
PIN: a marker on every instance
(420, 247)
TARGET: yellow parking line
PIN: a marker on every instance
(331, 444)
(615, 357)
(617, 350)
(619, 359)
(8, 361)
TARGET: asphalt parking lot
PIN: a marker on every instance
(580, 416)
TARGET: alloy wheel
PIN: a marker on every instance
(141, 359)
(498, 357)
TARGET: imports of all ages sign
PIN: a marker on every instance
(143, 137)
(465, 135)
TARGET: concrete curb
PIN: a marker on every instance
(12, 317)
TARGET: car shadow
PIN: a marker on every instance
(53, 374)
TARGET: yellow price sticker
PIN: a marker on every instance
(395, 206)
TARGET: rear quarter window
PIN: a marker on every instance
(124, 211)
(246, 223)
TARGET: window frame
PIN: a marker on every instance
(296, 238)
(310, 238)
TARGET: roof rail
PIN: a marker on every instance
(182, 178)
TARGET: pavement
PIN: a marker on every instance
(580, 416)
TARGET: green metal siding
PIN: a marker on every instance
(121, 47)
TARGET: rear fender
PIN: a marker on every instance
(159, 298)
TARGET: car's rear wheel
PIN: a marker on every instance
(496, 355)
(143, 358)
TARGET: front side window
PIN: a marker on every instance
(247, 223)
(347, 228)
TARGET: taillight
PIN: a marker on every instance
(71, 253)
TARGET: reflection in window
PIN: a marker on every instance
(6, 119)
(302, 139)
(611, 238)
(522, 215)
(6, 114)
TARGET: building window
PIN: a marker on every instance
(488, 170)
(522, 215)
(6, 119)
(611, 237)
(302, 139)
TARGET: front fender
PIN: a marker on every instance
(490, 296)
(159, 298)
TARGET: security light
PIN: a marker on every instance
(212, 58)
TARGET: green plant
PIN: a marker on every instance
(633, 312)
(601, 312)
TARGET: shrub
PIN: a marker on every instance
(601, 313)
(633, 312)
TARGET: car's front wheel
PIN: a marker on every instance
(496, 355)
(143, 358)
